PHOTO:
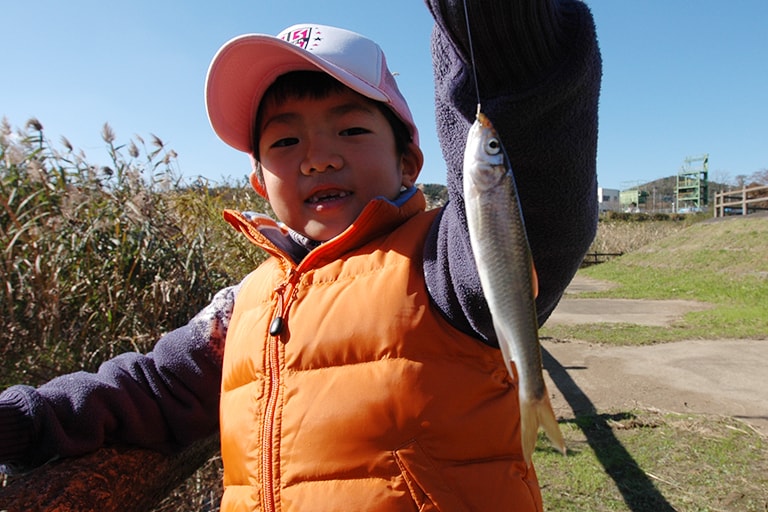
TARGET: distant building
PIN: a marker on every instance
(608, 199)
(634, 200)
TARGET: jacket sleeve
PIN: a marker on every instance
(539, 72)
(163, 400)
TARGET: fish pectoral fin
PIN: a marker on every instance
(534, 281)
(532, 414)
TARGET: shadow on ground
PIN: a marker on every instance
(637, 490)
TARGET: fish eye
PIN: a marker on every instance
(493, 146)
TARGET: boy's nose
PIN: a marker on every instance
(327, 161)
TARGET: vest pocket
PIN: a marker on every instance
(429, 490)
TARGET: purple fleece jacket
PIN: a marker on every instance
(539, 75)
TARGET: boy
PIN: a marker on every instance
(361, 370)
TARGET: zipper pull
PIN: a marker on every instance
(276, 327)
(286, 288)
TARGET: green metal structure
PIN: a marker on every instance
(692, 190)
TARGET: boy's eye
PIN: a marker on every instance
(357, 130)
(282, 143)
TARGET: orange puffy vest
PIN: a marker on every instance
(363, 397)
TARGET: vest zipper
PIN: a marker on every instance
(273, 371)
(285, 292)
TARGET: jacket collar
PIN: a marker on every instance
(379, 217)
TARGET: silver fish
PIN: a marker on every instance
(507, 275)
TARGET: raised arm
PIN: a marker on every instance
(539, 72)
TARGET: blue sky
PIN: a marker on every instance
(680, 78)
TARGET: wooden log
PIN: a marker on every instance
(109, 480)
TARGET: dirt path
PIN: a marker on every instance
(721, 377)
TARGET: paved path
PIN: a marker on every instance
(721, 377)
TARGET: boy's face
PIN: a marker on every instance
(323, 160)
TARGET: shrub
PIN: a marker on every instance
(99, 260)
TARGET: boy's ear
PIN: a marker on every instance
(256, 179)
(411, 161)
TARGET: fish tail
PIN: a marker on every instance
(532, 414)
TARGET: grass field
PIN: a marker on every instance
(645, 460)
(654, 462)
(722, 263)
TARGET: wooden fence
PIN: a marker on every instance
(109, 480)
(741, 202)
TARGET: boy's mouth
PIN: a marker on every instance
(326, 196)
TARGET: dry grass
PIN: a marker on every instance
(627, 233)
(98, 260)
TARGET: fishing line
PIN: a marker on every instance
(472, 55)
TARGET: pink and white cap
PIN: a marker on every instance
(247, 65)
